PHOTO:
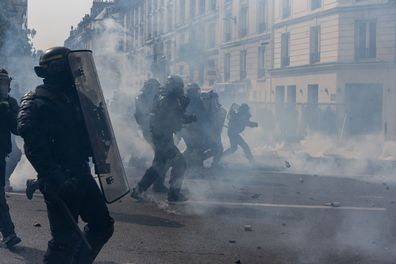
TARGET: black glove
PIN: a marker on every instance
(5, 107)
(184, 102)
(188, 119)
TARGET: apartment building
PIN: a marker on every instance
(320, 64)
(340, 55)
(245, 43)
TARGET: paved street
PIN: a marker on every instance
(248, 216)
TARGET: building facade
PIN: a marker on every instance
(334, 61)
(325, 65)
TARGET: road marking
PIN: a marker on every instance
(301, 206)
(287, 206)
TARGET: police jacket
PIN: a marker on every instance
(53, 128)
(8, 123)
(239, 122)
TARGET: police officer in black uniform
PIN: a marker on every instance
(193, 134)
(238, 121)
(8, 125)
(144, 104)
(51, 123)
(167, 117)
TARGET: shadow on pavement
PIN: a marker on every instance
(146, 220)
(30, 255)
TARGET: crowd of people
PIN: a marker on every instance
(57, 143)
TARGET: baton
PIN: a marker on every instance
(73, 222)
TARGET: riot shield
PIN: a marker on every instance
(106, 156)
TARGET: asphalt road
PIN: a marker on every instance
(239, 215)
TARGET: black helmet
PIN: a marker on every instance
(193, 90)
(151, 86)
(53, 62)
(174, 85)
(244, 108)
(4, 74)
(5, 82)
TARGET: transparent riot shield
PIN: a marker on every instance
(106, 156)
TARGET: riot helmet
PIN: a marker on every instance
(53, 64)
(193, 90)
(5, 83)
(244, 108)
(151, 86)
(174, 85)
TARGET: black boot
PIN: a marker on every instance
(10, 241)
(137, 193)
(31, 187)
(175, 196)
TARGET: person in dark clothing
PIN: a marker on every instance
(239, 119)
(12, 162)
(56, 141)
(167, 117)
(192, 134)
(8, 121)
(144, 104)
(213, 126)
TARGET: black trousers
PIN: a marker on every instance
(235, 141)
(88, 203)
(6, 225)
(166, 156)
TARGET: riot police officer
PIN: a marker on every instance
(239, 119)
(192, 134)
(144, 103)
(167, 117)
(51, 123)
(213, 127)
(8, 121)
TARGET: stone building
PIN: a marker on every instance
(325, 65)
(335, 56)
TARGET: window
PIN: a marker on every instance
(213, 4)
(285, 52)
(291, 96)
(193, 4)
(261, 16)
(286, 8)
(161, 23)
(201, 74)
(365, 39)
(243, 24)
(314, 47)
(242, 65)
(228, 25)
(182, 11)
(280, 95)
(313, 94)
(170, 17)
(315, 4)
(261, 62)
(202, 6)
(227, 65)
(212, 36)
